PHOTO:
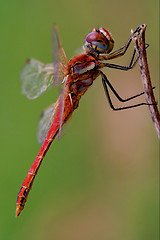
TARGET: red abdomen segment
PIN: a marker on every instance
(27, 183)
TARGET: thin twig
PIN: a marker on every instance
(140, 46)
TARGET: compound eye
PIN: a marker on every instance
(92, 37)
(99, 41)
(108, 37)
(94, 43)
(106, 34)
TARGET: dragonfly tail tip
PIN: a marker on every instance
(18, 210)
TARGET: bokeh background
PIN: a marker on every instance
(101, 180)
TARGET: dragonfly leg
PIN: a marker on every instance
(120, 67)
(106, 82)
(121, 51)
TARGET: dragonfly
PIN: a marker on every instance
(76, 76)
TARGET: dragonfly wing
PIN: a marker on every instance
(59, 56)
(46, 120)
(36, 77)
(62, 99)
(65, 105)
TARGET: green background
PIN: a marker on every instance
(101, 180)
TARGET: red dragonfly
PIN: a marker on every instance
(77, 75)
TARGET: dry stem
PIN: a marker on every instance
(140, 46)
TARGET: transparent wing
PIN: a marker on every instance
(36, 77)
(62, 99)
(46, 120)
(59, 56)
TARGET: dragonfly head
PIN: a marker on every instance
(99, 41)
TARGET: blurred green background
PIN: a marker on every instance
(101, 180)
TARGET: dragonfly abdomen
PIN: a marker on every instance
(27, 183)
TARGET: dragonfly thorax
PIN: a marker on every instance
(83, 69)
(82, 64)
